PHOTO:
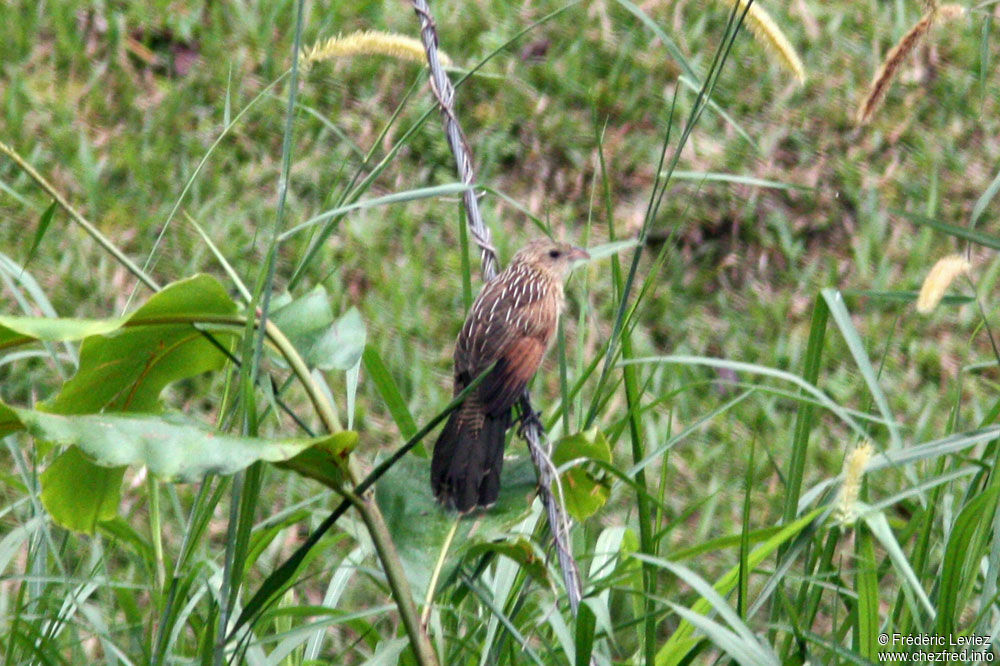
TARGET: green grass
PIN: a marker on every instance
(572, 139)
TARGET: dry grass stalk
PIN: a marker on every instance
(939, 279)
(774, 40)
(367, 42)
(890, 66)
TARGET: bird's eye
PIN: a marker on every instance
(554, 254)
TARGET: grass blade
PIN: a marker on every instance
(386, 386)
(914, 591)
(43, 225)
(739, 366)
(710, 177)
(984, 200)
(669, 654)
(866, 586)
(964, 233)
(805, 415)
(396, 197)
(843, 321)
(668, 42)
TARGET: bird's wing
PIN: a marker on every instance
(510, 323)
(484, 332)
(515, 367)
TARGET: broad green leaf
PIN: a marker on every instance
(124, 365)
(519, 550)
(22, 330)
(419, 525)
(173, 446)
(324, 342)
(126, 369)
(81, 488)
(584, 490)
(341, 346)
(304, 319)
(79, 494)
(325, 462)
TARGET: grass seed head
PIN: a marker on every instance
(774, 40)
(940, 277)
(893, 61)
(367, 42)
(854, 470)
(950, 12)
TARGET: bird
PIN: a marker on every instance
(510, 326)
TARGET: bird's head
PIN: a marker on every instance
(552, 257)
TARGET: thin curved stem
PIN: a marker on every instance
(101, 239)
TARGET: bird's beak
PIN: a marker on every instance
(578, 254)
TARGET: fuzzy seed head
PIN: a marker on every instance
(939, 279)
(854, 470)
(950, 12)
(894, 59)
(767, 32)
(367, 42)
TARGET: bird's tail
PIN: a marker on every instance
(468, 456)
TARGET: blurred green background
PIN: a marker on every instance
(117, 103)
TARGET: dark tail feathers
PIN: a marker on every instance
(465, 469)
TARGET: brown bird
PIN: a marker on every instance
(512, 322)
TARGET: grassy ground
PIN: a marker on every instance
(117, 106)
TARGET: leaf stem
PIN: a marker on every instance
(436, 574)
(395, 576)
(155, 531)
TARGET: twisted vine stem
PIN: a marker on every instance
(532, 430)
